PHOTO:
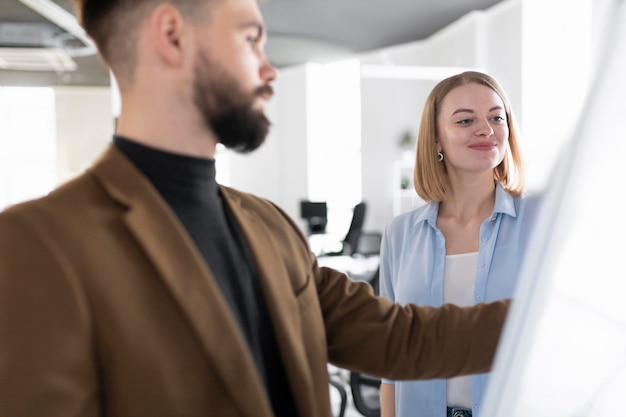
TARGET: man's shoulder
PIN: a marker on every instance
(260, 206)
(275, 219)
(252, 202)
(64, 201)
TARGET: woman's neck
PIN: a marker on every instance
(471, 200)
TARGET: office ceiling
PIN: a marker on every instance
(47, 43)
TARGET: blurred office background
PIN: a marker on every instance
(341, 111)
(352, 82)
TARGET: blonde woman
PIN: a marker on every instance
(466, 245)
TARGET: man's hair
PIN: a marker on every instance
(113, 26)
(430, 176)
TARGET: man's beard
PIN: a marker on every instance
(226, 109)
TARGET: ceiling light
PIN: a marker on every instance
(36, 59)
(65, 20)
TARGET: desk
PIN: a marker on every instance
(358, 268)
(323, 243)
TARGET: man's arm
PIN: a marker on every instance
(375, 336)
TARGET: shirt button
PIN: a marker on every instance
(481, 265)
(477, 407)
(478, 298)
(484, 239)
(493, 219)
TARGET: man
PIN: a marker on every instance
(142, 288)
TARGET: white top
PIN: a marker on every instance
(458, 288)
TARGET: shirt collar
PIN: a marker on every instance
(505, 204)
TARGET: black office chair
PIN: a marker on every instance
(369, 243)
(338, 385)
(350, 242)
(365, 394)
(366, 388)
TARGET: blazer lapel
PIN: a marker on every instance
(281, 302)
(185, 273)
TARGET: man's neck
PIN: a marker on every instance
(163, 125)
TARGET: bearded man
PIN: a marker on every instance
(144, 288)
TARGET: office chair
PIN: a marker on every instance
(368, 243)
(365, 388)
(350, 242)
(365, 394)
(342, 393)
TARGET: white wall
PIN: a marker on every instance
(556, 64)
(389, 107)
(84, 127)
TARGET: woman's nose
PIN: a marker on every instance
(484, 128)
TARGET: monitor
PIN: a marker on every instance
(316, 215)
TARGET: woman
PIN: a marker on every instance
(466, 245)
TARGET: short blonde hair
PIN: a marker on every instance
(430, 176)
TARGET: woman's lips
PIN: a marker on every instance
(483, 146)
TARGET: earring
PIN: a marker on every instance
(439, 156)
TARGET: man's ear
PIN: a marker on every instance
(168, 32)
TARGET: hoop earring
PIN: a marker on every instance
(439, 156)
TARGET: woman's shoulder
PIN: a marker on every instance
(528, 206)
(530, 200)
(413, 217)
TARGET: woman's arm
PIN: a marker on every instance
(387, 400)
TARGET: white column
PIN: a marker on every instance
(556, 63)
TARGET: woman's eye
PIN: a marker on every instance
(499, 119)
(464, 122)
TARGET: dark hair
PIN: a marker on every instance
(113, 26)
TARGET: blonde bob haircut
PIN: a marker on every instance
(430, 176)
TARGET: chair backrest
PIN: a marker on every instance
(356, 227)
(365, 394)
(369, 243)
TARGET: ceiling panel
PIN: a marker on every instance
(298, 31)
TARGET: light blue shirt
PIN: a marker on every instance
(413, 255)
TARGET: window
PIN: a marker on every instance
(334, 140)
(27, 143)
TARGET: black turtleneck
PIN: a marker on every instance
(188, 185)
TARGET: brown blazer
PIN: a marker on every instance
(108, 309)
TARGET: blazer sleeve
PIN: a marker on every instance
(376, 336)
